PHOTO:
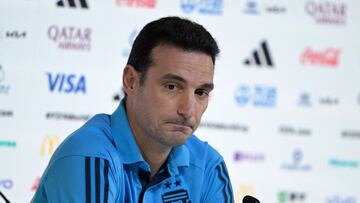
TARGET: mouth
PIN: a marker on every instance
(180, 127)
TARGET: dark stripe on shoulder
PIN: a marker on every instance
(97, 179)
(223, 180)
(87, 180)
(228, 187)
(106, 178)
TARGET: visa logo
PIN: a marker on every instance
(66, 83)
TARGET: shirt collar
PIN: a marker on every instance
(124, 139)
(128, 148)
(179, 156)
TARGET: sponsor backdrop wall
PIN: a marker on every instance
(285, 112)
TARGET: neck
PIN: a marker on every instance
(154, 153)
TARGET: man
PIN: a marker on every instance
(146, 151)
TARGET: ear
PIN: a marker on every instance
(130, 79)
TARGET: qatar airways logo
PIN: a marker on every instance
(328, 57)
(71, 37)
(327, 12)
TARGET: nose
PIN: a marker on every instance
(186, 107)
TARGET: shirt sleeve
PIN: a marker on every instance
(77, 179)
(217, 185)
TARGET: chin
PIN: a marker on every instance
(181, 141)
(176, 144)
(174, 139)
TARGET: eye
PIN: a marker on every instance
(171, 86)
(202, 93)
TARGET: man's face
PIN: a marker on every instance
(168, 107)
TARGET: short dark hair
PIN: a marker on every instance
(175, 31)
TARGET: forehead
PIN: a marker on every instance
(191, 65)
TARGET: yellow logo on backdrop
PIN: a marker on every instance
(242, 191)
(49, 144)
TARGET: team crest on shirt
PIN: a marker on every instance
(177, 195)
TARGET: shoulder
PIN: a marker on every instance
(201, 153)
(216, 185)
(93, 139)
(88, 152)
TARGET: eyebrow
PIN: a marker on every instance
(170, 76)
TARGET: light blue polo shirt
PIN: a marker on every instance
(101, 162)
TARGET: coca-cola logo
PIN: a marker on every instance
(136, 3)
(35, 185)
(71, 37)
(328, 57)
(327, 12)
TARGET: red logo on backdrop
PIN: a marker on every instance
(136, 3)
(327, 57)
(327, 12)
(35, 185)
(70, 37)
